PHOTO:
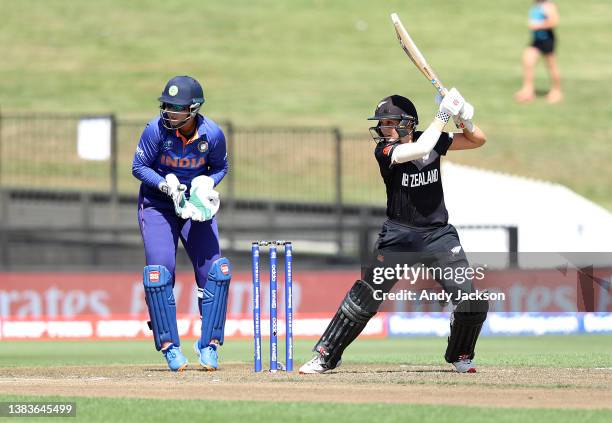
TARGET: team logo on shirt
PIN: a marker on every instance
(140, 152)
(168, 144)
(387, 149)
(202, 146)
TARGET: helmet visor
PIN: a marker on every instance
(175, 116)
(393, 132)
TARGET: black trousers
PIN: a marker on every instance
(436, 248)
(402, 245)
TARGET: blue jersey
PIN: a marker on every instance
(538, 15)
(162, 151)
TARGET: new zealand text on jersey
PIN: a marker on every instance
(420, 179)
(190, 163)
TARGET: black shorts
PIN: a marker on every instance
(546, 46)
(433, 247)
(399, 238)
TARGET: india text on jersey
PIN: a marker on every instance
(184, 162)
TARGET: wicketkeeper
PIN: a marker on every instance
(409, 162)
(180, 158)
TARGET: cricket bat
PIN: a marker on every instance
(415, 55)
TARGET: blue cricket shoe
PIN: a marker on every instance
(208, 357)
(177, 362)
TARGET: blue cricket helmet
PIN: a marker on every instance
(183, 91)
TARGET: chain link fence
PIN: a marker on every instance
(303, 165)
(40, 152)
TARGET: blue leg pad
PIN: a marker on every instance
(214, 301)
(162, 307)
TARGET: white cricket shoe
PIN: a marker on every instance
(465, 365)
(315, 365)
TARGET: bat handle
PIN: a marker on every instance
(441, 90)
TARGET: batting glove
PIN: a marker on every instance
(464, 119)
(452, 103)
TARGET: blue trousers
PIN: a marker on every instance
(161, 229)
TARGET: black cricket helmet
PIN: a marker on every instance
(394, 107)
(182, 93)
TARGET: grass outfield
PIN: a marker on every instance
(317, 62)
(542, 351)
(126, 410)
(511, 353)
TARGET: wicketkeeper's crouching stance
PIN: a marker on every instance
(180, 158)
(409, 162)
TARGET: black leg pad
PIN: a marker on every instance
(466, 322)
(352, 316)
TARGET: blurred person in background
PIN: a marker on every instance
(180, 158)
(543, 18)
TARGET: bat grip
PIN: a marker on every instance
(443, 91)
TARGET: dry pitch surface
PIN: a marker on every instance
(491, 387)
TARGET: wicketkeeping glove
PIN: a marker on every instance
(203, 199)
(176, 191)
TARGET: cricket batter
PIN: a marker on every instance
(409, 162)
(180, 158)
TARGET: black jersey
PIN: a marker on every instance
(414, 189)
